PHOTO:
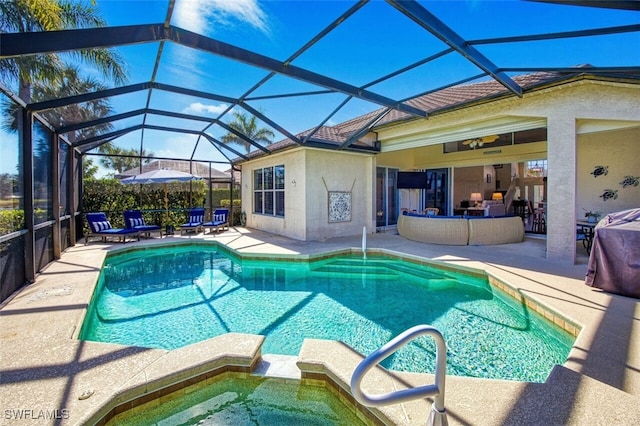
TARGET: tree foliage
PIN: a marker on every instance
(247, 126)
(11, 221)
(89, 170)
(70, 83)
(121, 159)
(52, 15)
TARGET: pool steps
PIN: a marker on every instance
(277, 366)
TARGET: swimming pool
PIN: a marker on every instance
(169, 297)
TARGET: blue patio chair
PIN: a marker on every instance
(99, 226)
(133, 220)
(196, 217)
(220, 220)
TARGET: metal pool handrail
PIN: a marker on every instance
(437, 414)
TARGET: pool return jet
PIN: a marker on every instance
(437, 414)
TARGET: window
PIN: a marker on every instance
(268, 191)
(537, 168)
(496, 140)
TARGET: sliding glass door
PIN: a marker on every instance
(386, 197)
(436, 194)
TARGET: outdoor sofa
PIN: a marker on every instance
(461, 230)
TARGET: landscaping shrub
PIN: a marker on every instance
(112, 197)
(11, 221)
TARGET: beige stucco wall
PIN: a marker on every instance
(339, 171)
(618, 150)
(293, 224)
(309, 174)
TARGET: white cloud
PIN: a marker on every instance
(198, 15)
(198, 107)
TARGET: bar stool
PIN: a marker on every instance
(539, 224)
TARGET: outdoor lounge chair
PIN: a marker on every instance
(196, 217)
(133, 220)
(220, 220)
(99, 226)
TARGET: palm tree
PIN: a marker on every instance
(248, 127)
(47, 76)
(51, 15)
(89, 170)
(70, 83)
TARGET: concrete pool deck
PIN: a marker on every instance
(46, 373)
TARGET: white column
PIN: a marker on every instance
(561, 184)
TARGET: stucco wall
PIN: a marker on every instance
(309, 175)
(465, 181)
(619, 151)
(339, 171)
(293, 224)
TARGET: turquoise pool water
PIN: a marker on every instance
(171, 297)
(250, 401)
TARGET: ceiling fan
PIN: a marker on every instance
(478, 142)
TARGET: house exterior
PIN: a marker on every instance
(571, 123)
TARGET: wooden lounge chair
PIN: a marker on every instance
(196, 217)
(133, 220)
(220, 220)
(99, 226)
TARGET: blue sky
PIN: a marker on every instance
(375, 41)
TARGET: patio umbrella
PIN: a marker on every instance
(164, 176)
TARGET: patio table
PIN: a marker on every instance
(587, 230)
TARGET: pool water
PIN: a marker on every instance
(250, 401)
(172, 297)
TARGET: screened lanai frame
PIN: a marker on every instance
(294, 77)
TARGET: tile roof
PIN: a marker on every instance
(464, 94)
(199, 169)
(446, 99)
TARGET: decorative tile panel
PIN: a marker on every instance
(339, 206)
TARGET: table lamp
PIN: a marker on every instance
(496, 196)
(475, 197)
